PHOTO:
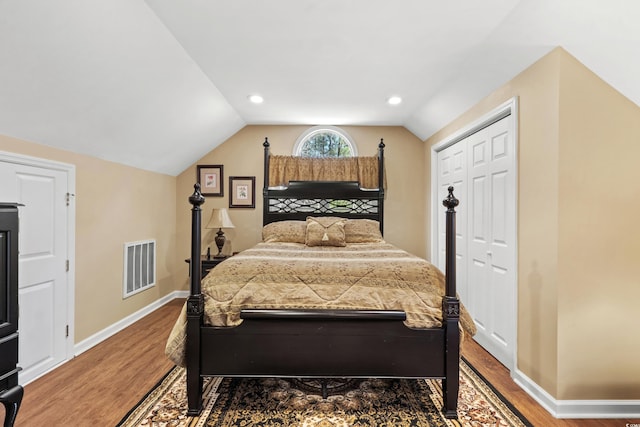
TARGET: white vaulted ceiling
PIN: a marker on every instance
(158, 84)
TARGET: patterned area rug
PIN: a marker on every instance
(277, 402)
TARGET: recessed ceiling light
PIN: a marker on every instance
(394, 100)
(256, 99)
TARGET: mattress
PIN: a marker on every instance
(367, 276)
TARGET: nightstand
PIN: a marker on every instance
(207, 264)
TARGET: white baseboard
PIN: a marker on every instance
(577, 408)
(102, 335)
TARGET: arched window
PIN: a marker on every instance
(325, 141)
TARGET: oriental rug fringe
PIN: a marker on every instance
(279, 402)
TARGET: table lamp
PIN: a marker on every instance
(220, 219)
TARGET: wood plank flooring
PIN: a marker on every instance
(101, 385)
(499, 377)
(98, 387)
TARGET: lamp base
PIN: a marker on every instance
(220, 239)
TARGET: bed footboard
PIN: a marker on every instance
(324, 344)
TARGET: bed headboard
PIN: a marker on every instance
(323, 198)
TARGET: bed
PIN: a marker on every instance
(320, 326)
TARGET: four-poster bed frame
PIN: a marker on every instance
(322, 343)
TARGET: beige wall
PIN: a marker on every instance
(114, 204)
(242, 155)
(599, 241)
(577, 229)
(117, 204)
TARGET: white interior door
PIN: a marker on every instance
(452, 171)
(484, 181)
(44, 321)
(491, 242)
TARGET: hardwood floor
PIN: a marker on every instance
(499, 377)
(98, 387)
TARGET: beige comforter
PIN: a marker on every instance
(291, 275)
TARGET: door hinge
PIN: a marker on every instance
(67, 332)
(67, 265)
(68, 198)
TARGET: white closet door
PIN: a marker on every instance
(481, 168)
(491, 260)
(452, 171)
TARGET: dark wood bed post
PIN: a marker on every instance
(381, 183)
(265, 185)
(195, 308)
(451, 314)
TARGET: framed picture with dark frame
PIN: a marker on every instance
(211, 180)
(242, 191)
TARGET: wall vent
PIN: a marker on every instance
(139, 266)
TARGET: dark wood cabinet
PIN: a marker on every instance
(10, 391)
(207, 264)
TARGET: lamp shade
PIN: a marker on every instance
(220, 219)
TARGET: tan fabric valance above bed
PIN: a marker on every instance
(283, 169)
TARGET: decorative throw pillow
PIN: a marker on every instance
(362, 231)
(285, 231)
(325, 231)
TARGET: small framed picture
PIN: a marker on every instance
(211, 179)
(242, 190)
